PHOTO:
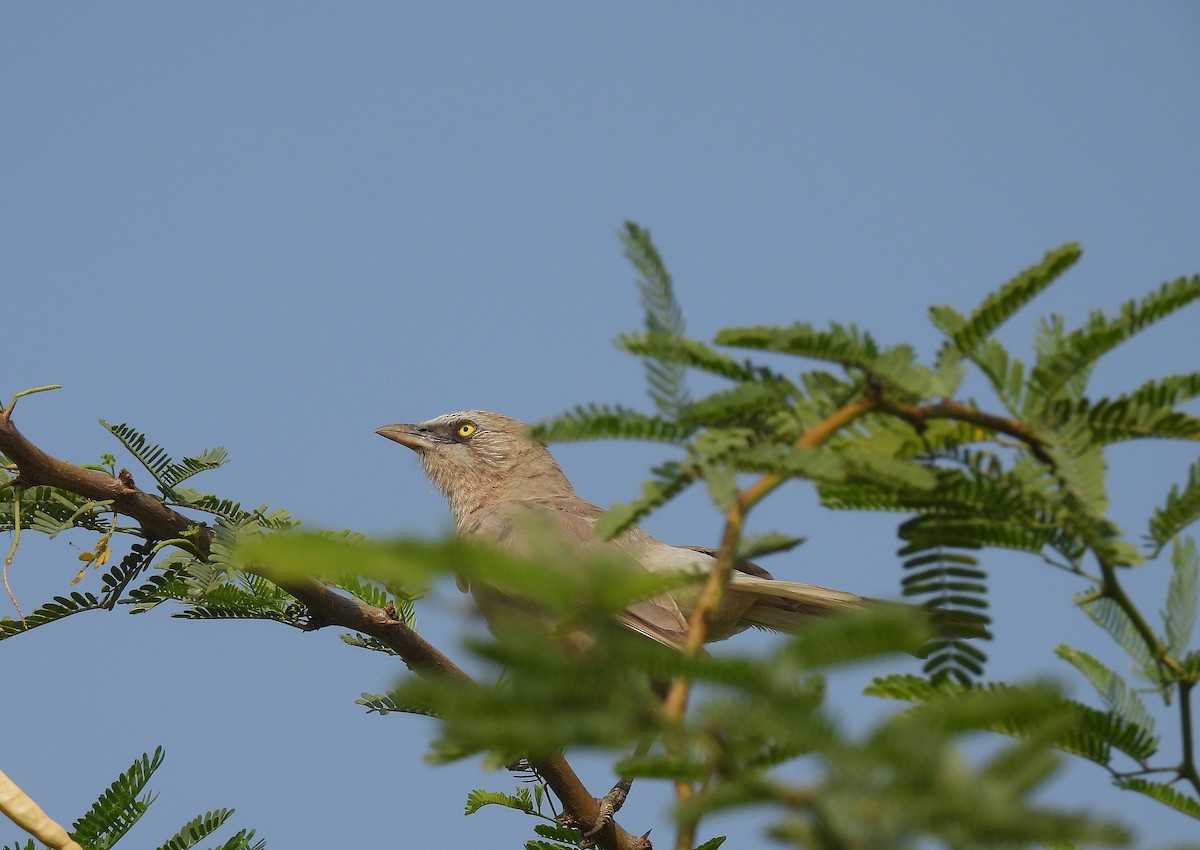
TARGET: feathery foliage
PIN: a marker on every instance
(49, 612)
(966, 333)
(123, 803)
(1181, 509)
(1183, 596)
(664, 318)
(1079, 350)
(870, 427)
(166, 470)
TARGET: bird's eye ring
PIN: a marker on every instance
(466, 429)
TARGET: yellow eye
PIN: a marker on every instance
(466, 429)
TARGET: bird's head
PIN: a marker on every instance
(477, 458)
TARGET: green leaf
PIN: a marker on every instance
(819, 464)
(670, 479)
(153, 457)
(1110, 617)
(1164, 794)
(1113, 420)
(1183, 595)
(600, 422)
(1080, 467)
(999, 306)
(1181, 509)
(1166, 392)
(1077, 728)
(663, 317)
(1079, 350)
(857, 636)
(395, 701)
(1117, 695)
(758, 405)
(521, 800)
(869, 465)
(661, 766)
(196, 830)
(60, 607)
(844, 344)
(118, 808)
(49, 510)
(695, 355)
(565, 837)
(241, 841)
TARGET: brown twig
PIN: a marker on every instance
(918, 414)
(675, 704)
(328, 608)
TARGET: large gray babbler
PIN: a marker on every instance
(493, 474)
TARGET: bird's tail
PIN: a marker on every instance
(784, 605)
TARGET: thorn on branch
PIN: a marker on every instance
(309, 619)
(24, 480)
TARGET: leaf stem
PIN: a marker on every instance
(1112, 589)
(12, 552)
(1187, 769)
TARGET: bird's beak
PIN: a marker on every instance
(406, 435)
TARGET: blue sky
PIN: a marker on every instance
(276, 227)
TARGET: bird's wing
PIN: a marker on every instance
(658, 618)
(747, 567)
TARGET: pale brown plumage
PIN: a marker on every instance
(492, 473)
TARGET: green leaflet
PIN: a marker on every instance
(966, 333)
(844, 344)
(1181, 509)
(663, 317)
(1183, 595)
(166, 470)
(57, 609)
(1062, 723)
(119, 807)
(123, 804)
(1164, 794)
(694, 354)
(1121, 700)
(522, 800)
(1106, 614)
(597, 422)
(1076, 352)
(670, 479)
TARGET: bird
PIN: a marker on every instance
(494, 475)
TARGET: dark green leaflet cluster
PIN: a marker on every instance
(153, 572)
(122, 805)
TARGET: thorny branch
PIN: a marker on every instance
(326, 607)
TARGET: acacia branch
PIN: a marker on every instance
(325, 606)
(675, 704)
(918, 414)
